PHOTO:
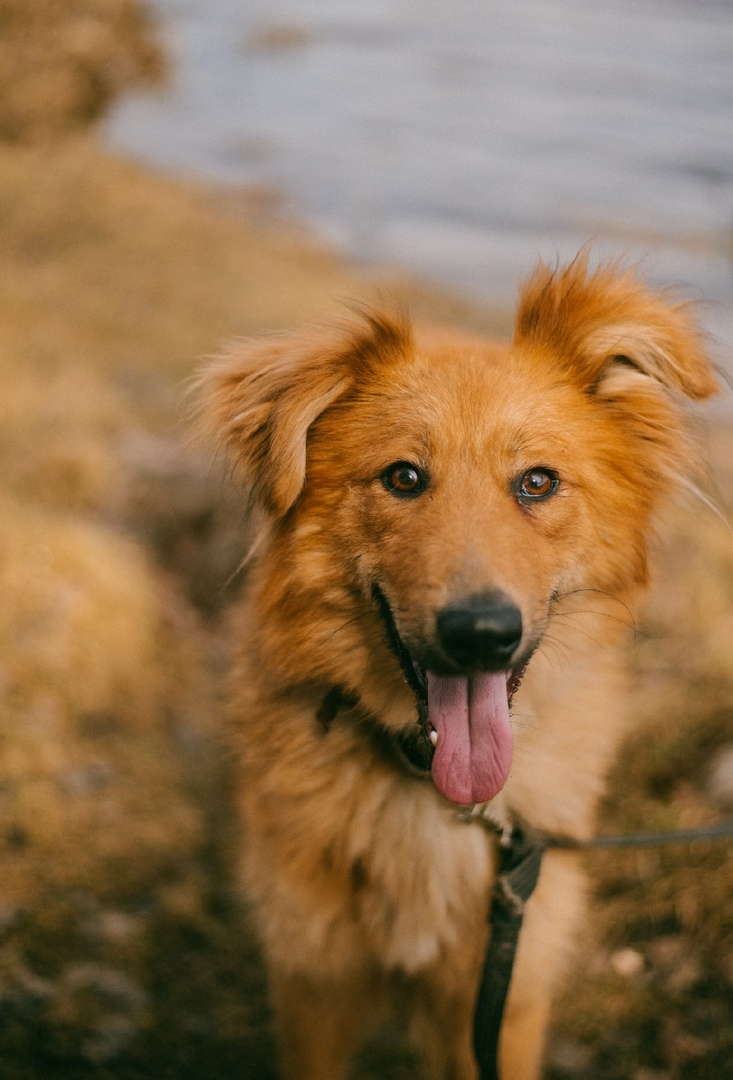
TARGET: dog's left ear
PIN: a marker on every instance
(608, 328)
(261, 398)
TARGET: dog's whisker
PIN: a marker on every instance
(343, 626)
(590, 637)
(598, 592)
(525, 725)
(560, 649)
(556, 615)
(531, 751)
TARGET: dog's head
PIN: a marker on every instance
(441, 494)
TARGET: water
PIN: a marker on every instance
(460, 138)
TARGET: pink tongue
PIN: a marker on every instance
(474, 751)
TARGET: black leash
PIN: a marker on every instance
(718, 831)
(519, 868)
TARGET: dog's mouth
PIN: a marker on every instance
(463, 735)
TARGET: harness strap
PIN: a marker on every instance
(519, 868)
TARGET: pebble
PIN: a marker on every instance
(719, 784)
(627, 962)
(570, 1056)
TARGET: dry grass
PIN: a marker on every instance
(123, 949)
(63, 61)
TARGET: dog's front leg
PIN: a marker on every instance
(371, 1027)
(551, 917)
(321, 1024)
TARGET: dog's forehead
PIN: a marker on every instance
(448, 405)
(475, 385)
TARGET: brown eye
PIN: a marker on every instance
(404, 480)
(538, 484)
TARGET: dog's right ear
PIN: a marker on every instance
(261, 397)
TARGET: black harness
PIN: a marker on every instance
(519, 869)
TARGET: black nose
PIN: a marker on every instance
(481, 633)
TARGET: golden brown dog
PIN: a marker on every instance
(446, 517)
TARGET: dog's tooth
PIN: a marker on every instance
(433, 737)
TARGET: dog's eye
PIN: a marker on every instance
(404, 480)
(538, 484)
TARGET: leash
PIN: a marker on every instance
(519, 869)
(520, 860)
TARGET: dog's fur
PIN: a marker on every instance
(371, 896)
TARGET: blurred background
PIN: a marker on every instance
(461, 138)
(179, 172)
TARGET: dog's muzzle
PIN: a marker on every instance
(473, 666)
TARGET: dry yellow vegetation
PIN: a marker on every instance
(63, 61)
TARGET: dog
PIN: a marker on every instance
(455, 540)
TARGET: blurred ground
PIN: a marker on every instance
(124, 951)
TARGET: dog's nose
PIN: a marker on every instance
(482, 632)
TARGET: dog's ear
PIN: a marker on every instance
(608, 328)
(261, 397)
